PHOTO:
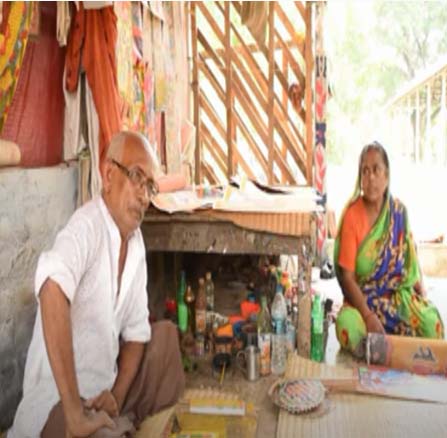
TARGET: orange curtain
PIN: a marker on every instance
(92, 41)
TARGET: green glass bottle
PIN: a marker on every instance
(182, 309)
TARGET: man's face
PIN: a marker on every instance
(127, 186)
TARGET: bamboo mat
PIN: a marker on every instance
(353, 415)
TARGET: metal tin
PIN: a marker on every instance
(251, 356)
(200, 345)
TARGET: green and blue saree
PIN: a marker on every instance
(387, 269)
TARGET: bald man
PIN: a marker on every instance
(94, 358)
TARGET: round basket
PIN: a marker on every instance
(297, 395)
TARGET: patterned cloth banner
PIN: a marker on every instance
(13, 38)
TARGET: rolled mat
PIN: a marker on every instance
(417, 355)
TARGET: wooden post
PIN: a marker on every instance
(408, 116)
(308, 92)
(229, 91)
(443, 154)
(271, 59)
(196, 91)
(285, 102)
(427, 148)
(417, 130)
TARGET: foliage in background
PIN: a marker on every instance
(373, 49)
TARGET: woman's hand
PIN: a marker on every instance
(373, 324)
(419, 289)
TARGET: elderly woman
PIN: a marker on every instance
(376, 263)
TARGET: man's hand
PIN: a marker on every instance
(373, 324)
(105, 401)
(84, 423)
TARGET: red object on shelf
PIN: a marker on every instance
(248, 308)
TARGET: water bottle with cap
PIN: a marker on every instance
(279, 311)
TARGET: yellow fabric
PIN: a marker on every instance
(12, 48)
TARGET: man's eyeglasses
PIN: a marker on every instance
(138, 179)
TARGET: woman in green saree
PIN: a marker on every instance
(376, 262)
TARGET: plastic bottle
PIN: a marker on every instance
(279, 346)
(279, 353)
(279, 311)
(201, 308)
(189, 301)
(209, 290)
(182, 310)
(264, 337)
(316, 349)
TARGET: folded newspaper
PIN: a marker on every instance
(248, 197)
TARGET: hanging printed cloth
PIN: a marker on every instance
(14, 30)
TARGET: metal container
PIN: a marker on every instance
(251, 362)
(200, 345)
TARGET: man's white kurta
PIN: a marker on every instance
(84, 262)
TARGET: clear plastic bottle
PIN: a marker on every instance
(279, 353)
(209, 290)
(317, 341)
(264, 337)
(279, 341)
(279, 311)
(201, 308)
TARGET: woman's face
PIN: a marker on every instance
(374, 176)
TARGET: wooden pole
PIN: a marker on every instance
(229, 92)
(427, 123)
(271, 60)
(196, 90)
(308, 93)
(285, 101)
(443, 154)
(417, 130)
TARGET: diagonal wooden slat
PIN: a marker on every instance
(301, 9)
(209, 173)
(238, 119)
(214, 148)
(295, 37)
(213, 117)
(264, 50)
(295, 66)
(212, 22)
(240, 92)
(261, 80)
(283, 130)
(308, 95)
(253, 109)
(251, 142)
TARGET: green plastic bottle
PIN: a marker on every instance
(182, 309)
(317, 342)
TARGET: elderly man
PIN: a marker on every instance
(89, 360)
